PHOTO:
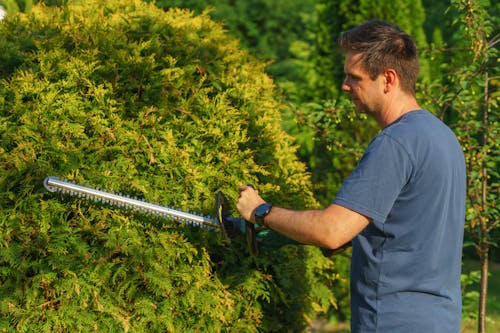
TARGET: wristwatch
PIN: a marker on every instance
(261, 211)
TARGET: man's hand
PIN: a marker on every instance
(248, 201)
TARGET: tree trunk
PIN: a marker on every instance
(483, 288)
(483, 225)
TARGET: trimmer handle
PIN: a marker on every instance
(250, 234)
(233, 227)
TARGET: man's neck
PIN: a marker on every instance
(394, 110)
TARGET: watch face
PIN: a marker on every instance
(262, 210)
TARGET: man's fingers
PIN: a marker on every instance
(243, 188)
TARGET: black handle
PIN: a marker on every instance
(251, 236)
(233, 227)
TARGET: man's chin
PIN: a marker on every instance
(360, 108)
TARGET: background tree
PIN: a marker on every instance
(468, 98)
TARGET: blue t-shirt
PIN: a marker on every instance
(406, 264)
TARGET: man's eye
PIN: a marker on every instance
(350, 77)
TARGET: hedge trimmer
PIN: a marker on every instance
(230, 227)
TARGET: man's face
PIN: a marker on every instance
(365, 93)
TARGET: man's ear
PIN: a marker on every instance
(391, 79)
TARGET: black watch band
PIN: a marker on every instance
(261, 211)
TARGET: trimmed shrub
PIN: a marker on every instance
(160, 105)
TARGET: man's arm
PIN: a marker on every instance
(329, 228)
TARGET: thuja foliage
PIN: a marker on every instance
(160, 105)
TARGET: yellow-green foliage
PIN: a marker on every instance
(161, 105)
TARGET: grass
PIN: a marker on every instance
(468, 326)
(492, 302)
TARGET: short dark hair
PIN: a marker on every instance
(383, 45)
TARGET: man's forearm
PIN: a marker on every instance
(330, 228)
(313, 227)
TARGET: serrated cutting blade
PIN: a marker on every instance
(54, 184)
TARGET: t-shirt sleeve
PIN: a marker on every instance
(376, 183)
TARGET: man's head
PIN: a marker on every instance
(382, 46)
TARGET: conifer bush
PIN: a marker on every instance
(160, 105)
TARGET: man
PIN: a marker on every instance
(403, 206)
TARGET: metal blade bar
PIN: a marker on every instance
(54, 184)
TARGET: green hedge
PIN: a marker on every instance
(164, 106)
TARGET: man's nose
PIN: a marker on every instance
(345, 87)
